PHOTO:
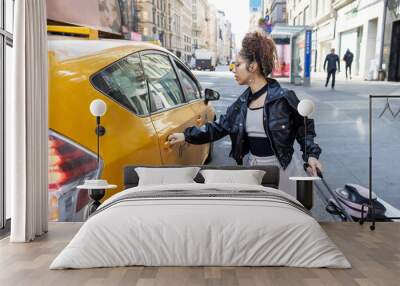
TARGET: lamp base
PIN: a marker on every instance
(96, 195)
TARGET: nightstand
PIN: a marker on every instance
(97, 190)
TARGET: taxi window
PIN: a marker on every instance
(163, 83)
(124, 82)
(188, 84)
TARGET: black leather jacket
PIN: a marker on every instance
(282, 123)
(331, 60)
(348, 57)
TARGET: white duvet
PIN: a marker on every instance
(203, 231)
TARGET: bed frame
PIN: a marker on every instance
(270, 179)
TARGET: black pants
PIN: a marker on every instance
(333, 73)
(348, 66)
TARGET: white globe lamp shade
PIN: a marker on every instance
(305, 107)
(98, 107)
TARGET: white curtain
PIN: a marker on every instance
(27, 123)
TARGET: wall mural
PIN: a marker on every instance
(98, 14)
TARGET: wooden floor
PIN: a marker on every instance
(374, 255)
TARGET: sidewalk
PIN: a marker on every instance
(342, 127)
(356, 85)
(341, 75)
(355, 79)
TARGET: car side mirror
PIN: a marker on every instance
(210, 95)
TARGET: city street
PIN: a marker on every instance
(341, 118)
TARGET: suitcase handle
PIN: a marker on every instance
(340, 207)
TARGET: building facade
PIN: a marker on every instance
(256, 8)
(227, 54)
(344, 24)
(186, 15)
(358, 29)
(153, 20)
(220, 36)
(224, 38)
(277, 11)
(211, 30)
(181, 26)
(391, 50)
(176, 28)
(318, 14)
(199, 24)
(129, 18)
(267, 6)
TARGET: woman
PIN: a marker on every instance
(263, 121)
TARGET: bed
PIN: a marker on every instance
(201, 224)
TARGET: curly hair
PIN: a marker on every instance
(258, 46)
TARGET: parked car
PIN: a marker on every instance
(231, 66)
(205, 59)
(149, 94)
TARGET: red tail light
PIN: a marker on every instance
(69, 166)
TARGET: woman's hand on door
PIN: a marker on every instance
(176, 138)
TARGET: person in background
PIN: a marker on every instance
(263, 122)
(331, 59)
(348, 58)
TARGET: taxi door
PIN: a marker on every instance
(130, 137)
(196, 153)
(170, 112)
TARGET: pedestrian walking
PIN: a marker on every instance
(263, 122)
(348, 58)
(331, 59)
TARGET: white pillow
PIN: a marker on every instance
(163, 176)
(248, 177)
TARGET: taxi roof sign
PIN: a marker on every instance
(89, 33)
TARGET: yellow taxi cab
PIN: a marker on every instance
(231, 66)
(149, 94)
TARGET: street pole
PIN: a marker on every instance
(307, 56)
(381, 74)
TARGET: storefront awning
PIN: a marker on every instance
(286, 31)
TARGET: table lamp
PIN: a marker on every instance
(305, 108)
(96, 187)
(304, 185)
(98, 108)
